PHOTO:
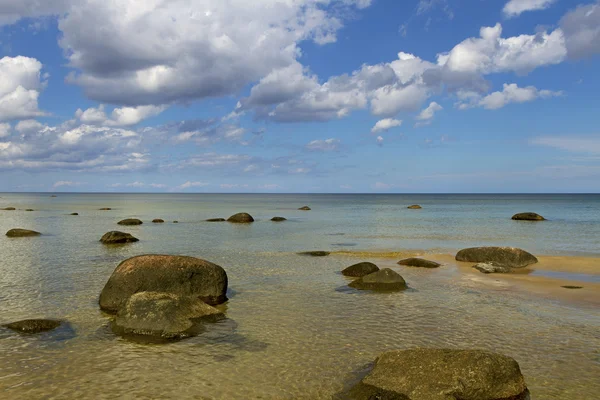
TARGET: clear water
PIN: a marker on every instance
(294, 331)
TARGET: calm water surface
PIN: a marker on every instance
(293, 331)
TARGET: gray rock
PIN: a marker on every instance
(184, 276)
(511, 257)
(419, 262)
(241, 218)
(528, 216)
(116, 237)
(442, 374)
(491, 268)
(278, 219)
(130, 221)
(382, 280)
(317, 253)
(18, 232)
(361, 269)
(305, 208)
(33, 325)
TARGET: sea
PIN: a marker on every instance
(293, 329)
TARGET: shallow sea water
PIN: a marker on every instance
(294, 330)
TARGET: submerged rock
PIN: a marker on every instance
(130, 221)
(18, 232)
(511, 257)
(442, 374)
(382, 280)
(491, 268)
(419, 262)
(528, 216)
(34, 325)
(216, 220)
(164, 315)
(158, 221)
(241, 218)
(361, 269)
(317, 253)
(278, 219)
(181, 275)
(9, 209)
(305, 208)
(414, 207)
(116, 237)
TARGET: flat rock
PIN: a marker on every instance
(361, 269)
(181, 275)
(305, 208)
(317, 253)
(9, 209)
(491, 268)
(278, 219)
(419, 262)
(442, 374)
(241, 218)
(216, 220)
(158, 221)
(18, 232)
(34, 325)
(511, 257)
(382, 280)
(414, 207)
(116, 237)
(130, 221)
(528, 216)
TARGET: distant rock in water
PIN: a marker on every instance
(54, 195)
(158, 221)
(175, 222)
(163, 315)
(414, 207)
(278, 219)
(442, 374)
(382, 280)
(528, 216)
(491, 268)
(241, 218)
(116, 237)
(30, 209)
(511, 257)
(34, 325)
(18, 232)
(317, 253)
(361, 269)
(572, 287)
(419, 262)
(216, 220)
(9, 209)
(180, 275)
(130, 221)
(305, 208)
(105, 209)
(74, 214)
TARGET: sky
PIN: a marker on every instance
(335, 96)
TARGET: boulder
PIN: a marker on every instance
(116, 237)
(305, 208)
(18, 232)
(317, 253)
(9, 209)
(382, 280)
(528, 216)
(74, 214)
(278, 219)
(492, 268)
(185, 276)
(216, 220)
(158, 221)
(164, 315)
(511, 257)
(33, 325)
(105, 209)
(130, 221)
(414, 207)
(419, 262)
(442, 374)
(361, 269)
(241, 218)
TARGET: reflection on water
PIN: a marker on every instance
(289, 333)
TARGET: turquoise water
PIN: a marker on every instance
(293, 330)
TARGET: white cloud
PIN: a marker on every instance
(233, 186)
(582, 30)
(380, 140)
(516, 7)
(190, 184)
(384, 186)
(385, 124)
(124, 116)
(323, 145)
(270, 186)
(4, 130)
(20, 86)
(510, 93)
(572, 144)
(66, 183)
(426, 116)
(28, 126)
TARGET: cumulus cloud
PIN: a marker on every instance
(124, 116)
(190, 184)
(385, 124)
(5, 129)
(515, 8)
(12, 11)
(426, 116)
(511, 93)
(20, 85)
(582, 30)
(66, 183)
(323, 145)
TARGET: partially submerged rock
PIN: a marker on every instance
(30, 209)
(305, 208)
(175, 222)
(9, 209)
(241, 218)
(164, 315)
(528, 216)
(442, 374)
(419, 262)
(116, 237)
(105, 209)
(361, 269)
(181, 275)
(278, 219)
(158, 221)
(34, 325)
(382, 280)
(572, 287)
(216, 220)
(74, 214)
(511, 257)
(414, 207)
(130, 221)
(18, 232)
(317, 253)
(491, 268)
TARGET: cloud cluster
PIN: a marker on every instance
(511, 93)
(515, 8)
(21, 82)
(386, 124)
(123, 116)
(426, 116)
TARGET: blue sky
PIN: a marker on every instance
(300, 96)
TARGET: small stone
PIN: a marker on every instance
(315, 253)
(419, 262)
(216, 220)
(278, 219)
(305, 208)
(74, 214)
(34, 325)
(158, 221)
(490, 268)
(414, 207)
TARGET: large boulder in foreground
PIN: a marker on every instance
(361, 269)
(241, 218)
(34, 325)
(116, 237)
(181, 275)
(511, 257)
(130, 221)
(528, 216)
(18, 232)
(163, 315)
(442, 374)
(383, 280)
(418, 262)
